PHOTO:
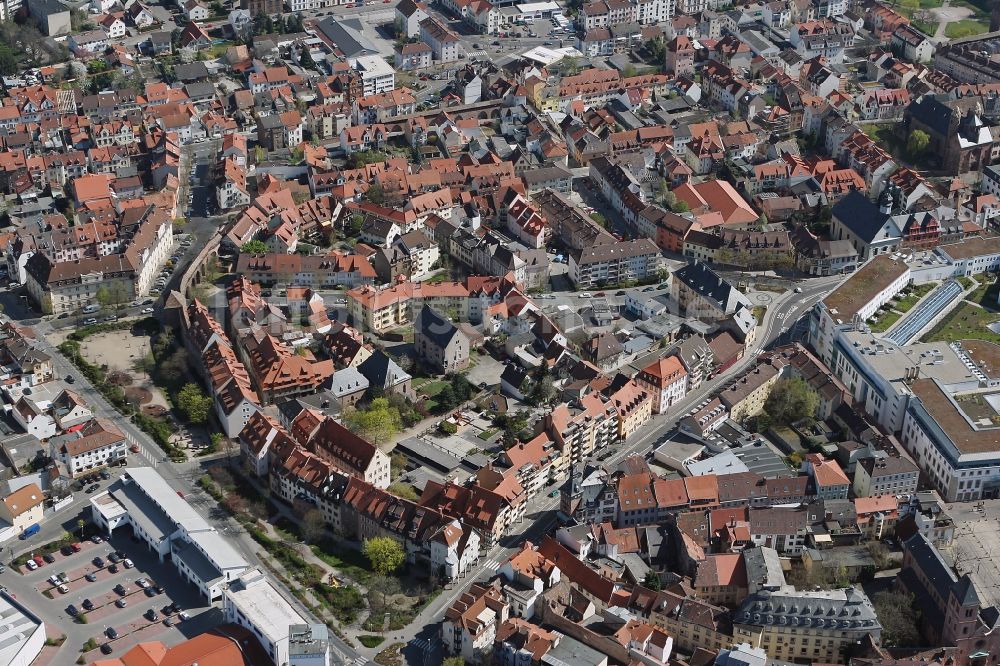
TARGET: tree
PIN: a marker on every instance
(254, 247)
(312, 525)
(112, 295)
(680, 207)
(375, 194)
(917, 144)
(543, 391)
(652, 581)
(511, 424)
(384, 553)
(259, 154)
(381, 588)
(306, 59)
(791, 400)
(899, 619)
(445, 398)
(377, 423)
(193, 403)
(453, 661)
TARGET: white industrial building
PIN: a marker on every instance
(161, 518)
(22, 634)
(252, 602)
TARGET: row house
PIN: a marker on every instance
(363, 138)
(492, 513)
(313, 271)
(431, 540)
(231, 189)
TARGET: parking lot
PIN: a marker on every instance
(108, 603)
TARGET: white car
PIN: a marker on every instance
(585, 294)
(128, 563)
(31, 565)
(147, 311)
(63, 589)
(142, 582)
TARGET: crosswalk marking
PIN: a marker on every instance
(490, 564)
(478, 54)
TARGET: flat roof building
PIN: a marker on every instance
(252, 602)
(22, 634)
(158, 516)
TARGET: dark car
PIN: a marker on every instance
(49, 557)
(70, 379)
(112, 633)
(87, 604)
(106, 648)
(98, 562)
(152, 615)
(150, 592)
(91, 577)
(105, 474)
(72, 610)
(113, 568)
(120, 589)
(95, 539)
(92, 488)
(159, 590)
(114, 557)
(167, 622)
(66, 550)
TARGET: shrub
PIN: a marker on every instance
(371, 641)
(447, 427)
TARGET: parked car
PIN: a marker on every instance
(114, 557)
(98, 562)
(87, 604)
(39, 561)
(76, 547)
(121, 603)
(91, 577)
(106, 648)
(31, 565)
(128, 563)
(72, 610)
(112, 633)
(168, 622)
(90, 321)
(62, 589)
(121, 589)
(150, 592)
(105, 474)
(113, 568)
(183, 615)
(70, 379)
(142, 582)
(96, 538)
(93, 487)
(49, 557)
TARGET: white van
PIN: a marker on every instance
(91, 308)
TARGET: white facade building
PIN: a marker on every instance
(142, 499)
(252, 602)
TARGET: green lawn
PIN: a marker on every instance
(965, 322)
(885, 320)
(430, 388)
(965, 28)
(986, 294)
(917, 292)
